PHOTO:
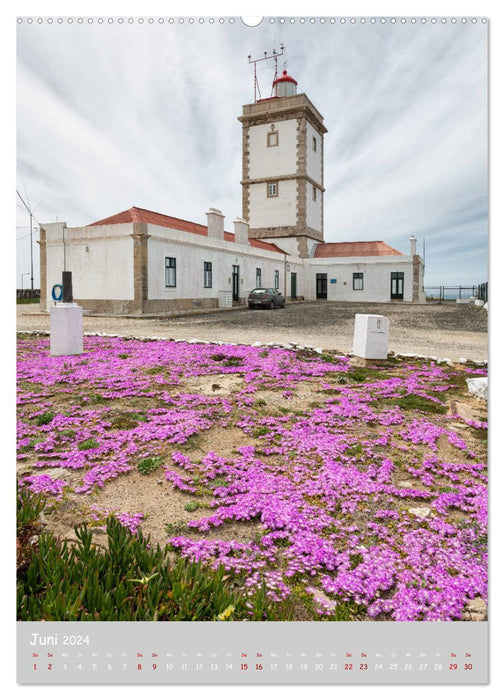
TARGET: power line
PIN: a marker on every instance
(31, 234)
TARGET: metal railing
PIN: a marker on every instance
(450, 293)
(27, 294)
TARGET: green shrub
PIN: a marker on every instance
(44, 419)
(191, 506)
(88, 444)
(29, 507)
(149, 464)
(131, 580)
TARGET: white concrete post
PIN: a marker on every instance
(66, 329)
(215, 219)
(241, 231)
(371, 336)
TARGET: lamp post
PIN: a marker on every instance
(23, 274)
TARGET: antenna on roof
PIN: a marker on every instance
(274, 55)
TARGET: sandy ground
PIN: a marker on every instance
(451, 331)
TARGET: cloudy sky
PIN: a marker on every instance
(115, 115)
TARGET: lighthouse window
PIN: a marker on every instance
(272, 189)
(314, 143)
(314, 194)
(272, 138)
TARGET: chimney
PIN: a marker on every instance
(241, 231)
(215, 219)
(413, 242)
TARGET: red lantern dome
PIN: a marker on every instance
(284, 86)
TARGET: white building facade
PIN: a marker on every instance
(143, 262)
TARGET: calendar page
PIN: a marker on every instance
(252, 306)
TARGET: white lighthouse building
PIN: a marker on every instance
(283, 167)
(145, 262)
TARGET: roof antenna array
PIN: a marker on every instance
(274, 56)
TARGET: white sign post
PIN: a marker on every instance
(66, 322)
(371, 336)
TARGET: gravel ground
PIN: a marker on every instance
(447, 331)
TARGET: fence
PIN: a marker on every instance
(27, 294)
(451, 293)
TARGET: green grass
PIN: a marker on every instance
(45, 418)
(412, 402)
(89, 444)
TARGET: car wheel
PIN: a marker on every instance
(250, 306)
(283, 304)
(272, 305)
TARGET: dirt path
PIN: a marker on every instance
(445, 331)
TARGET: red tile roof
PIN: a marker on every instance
(354, 249)
(137, 215)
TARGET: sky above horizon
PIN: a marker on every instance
(116, 115)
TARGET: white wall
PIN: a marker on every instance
(313, 158)
(376, 272)
(273, 211)
(191, 250)
(99, 257)
(313, 208)
(274, 160)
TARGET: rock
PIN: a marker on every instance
(405, 485)
(321, 598)
(420, 512)
(479, 387)
(477, 605)
(476, 617)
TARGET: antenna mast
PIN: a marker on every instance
(255, 61)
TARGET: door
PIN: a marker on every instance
(321, 285)
(293, 285)
(236, 283)
(397, 285)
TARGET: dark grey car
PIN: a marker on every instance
(265, 298)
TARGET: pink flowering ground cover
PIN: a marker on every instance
(368, 496)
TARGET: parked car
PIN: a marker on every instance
(265, 297)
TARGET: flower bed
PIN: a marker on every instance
(371, 497)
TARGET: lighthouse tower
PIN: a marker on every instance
(283, 167)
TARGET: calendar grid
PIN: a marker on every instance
(252, 653)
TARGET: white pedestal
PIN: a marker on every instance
(371, 336)
(66, 329)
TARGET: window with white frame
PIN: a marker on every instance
(207, 274)
(258, 277)
(277, 279)
(170, 272)
(358, 281)
(272, 189)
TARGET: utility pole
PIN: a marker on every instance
(31, 249)
(31, 235)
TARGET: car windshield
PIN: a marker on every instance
(259, 290)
